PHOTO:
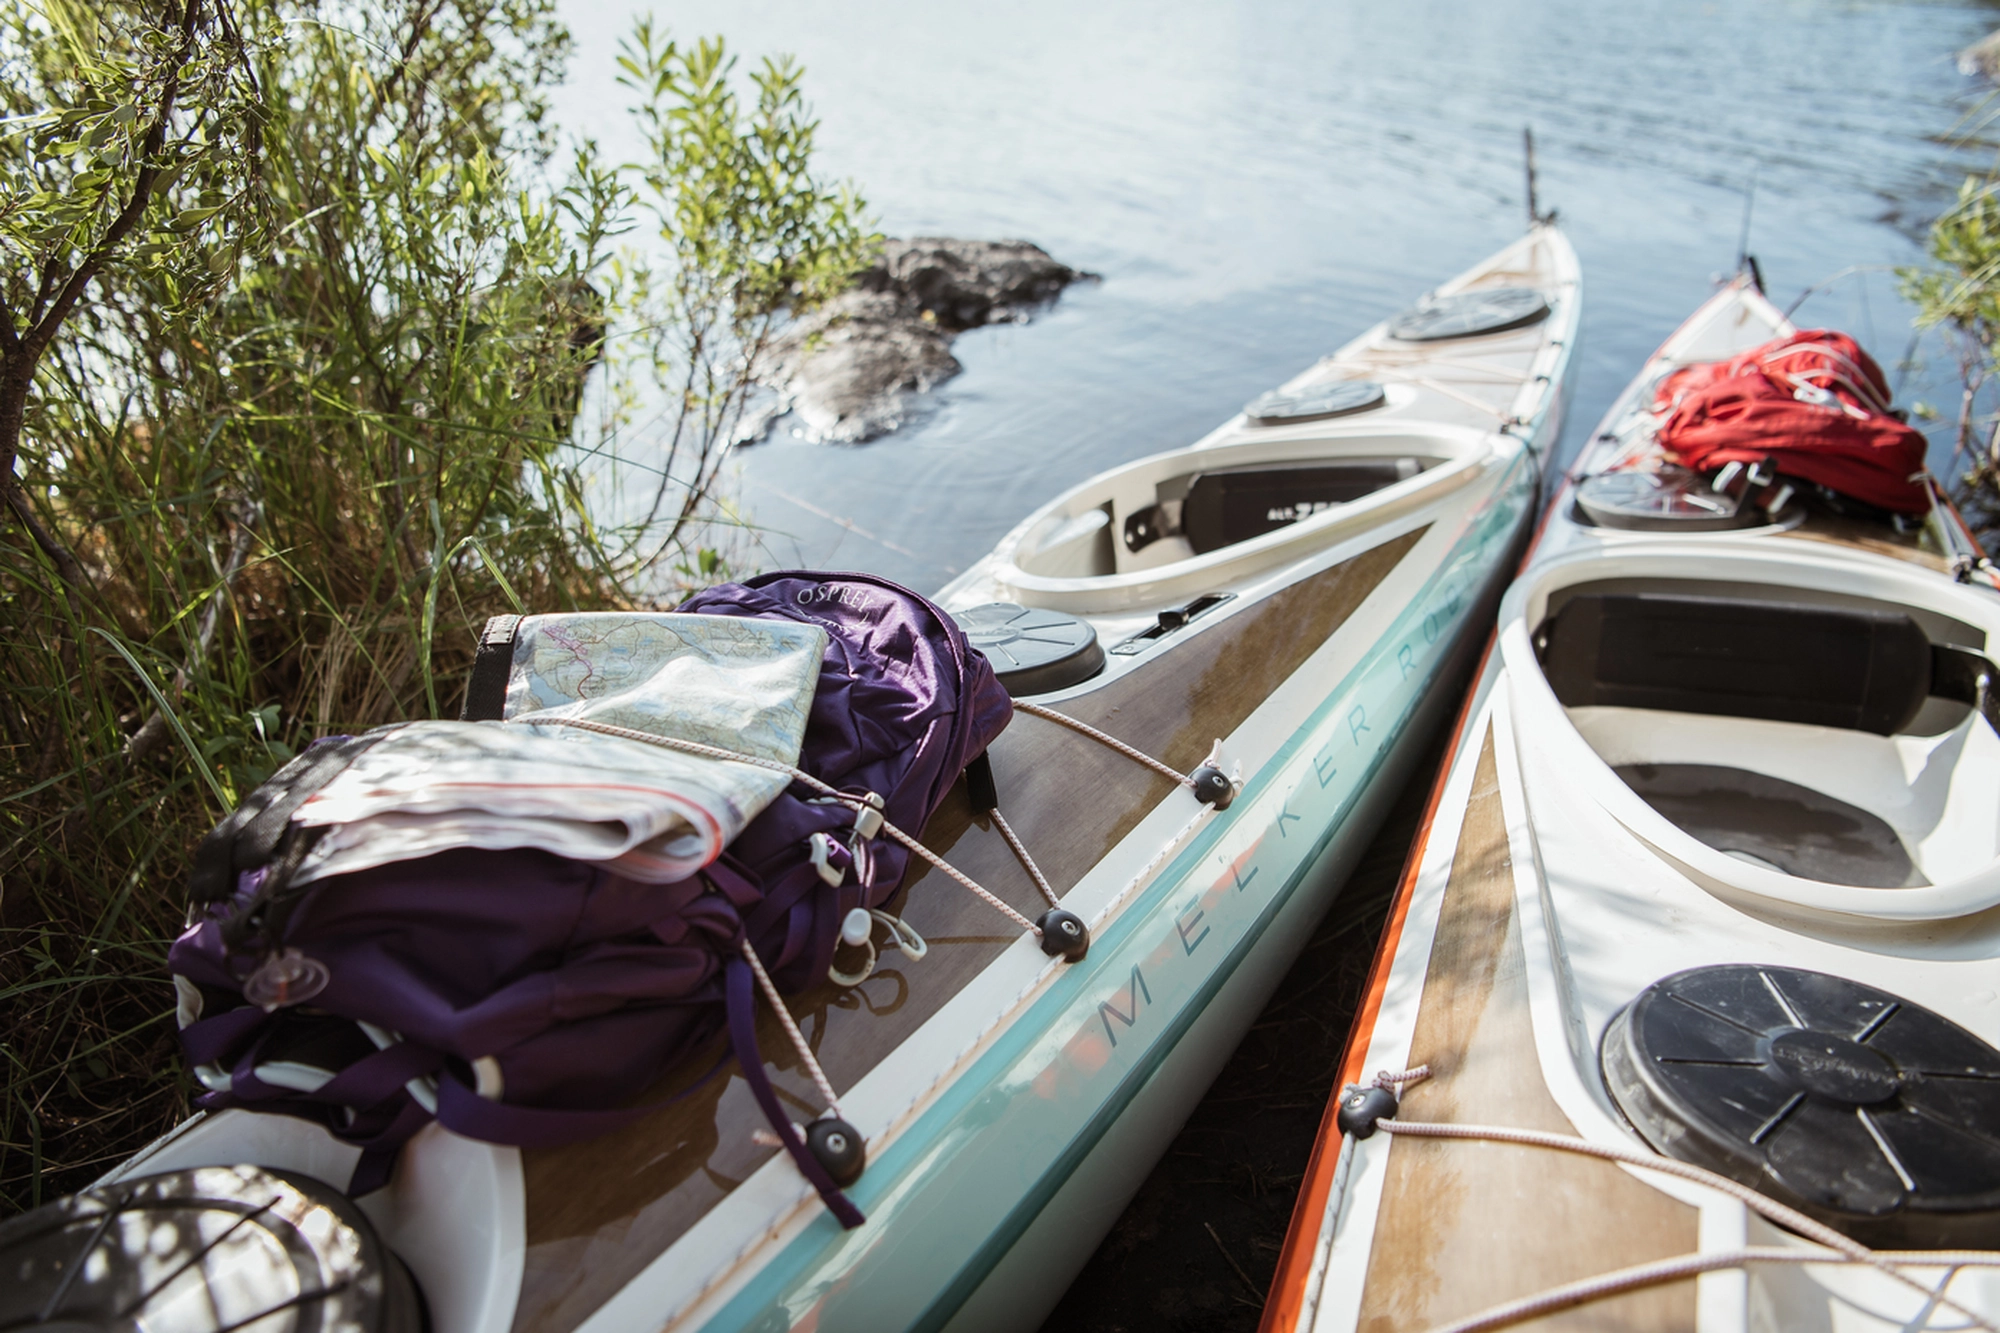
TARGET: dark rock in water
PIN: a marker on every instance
(964, 284)
(851, 370)
(848, 371)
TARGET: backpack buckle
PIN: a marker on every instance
(868, 818)
(822, 859)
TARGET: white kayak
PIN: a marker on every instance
(1693, 982)
(1279, 597)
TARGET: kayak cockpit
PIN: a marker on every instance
(1191, 520)
(1194, 513)
(1781, 742)
(1833, 806)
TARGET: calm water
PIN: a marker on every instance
(1257, 183)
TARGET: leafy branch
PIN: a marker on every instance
(94, 162)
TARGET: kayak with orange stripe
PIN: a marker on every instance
(1685, 1015)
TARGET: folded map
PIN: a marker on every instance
(656, 814)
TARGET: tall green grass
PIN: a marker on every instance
(295, 501)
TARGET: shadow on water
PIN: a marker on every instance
(1196, 1247)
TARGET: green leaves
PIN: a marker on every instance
(366, 364)
(108, 106)
(732, 186)
(751, 237)
(1960, 293)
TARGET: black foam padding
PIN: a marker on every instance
(1468, 314)
(1337, 398)
(1872, 1114)
(1829, 666)
(1223, 508)
(1794, 829)
(486, 692)
(1033, 651)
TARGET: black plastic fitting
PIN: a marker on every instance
(839, 1148)
(1213, 787)
(1361, 1108)
(1063, 934)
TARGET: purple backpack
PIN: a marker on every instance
(523, 998)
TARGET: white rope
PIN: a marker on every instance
(861, 803)
(1395, 1082)
(1771, 1209)
(1423, 382)
(958, 875)
(685, 747)
(1674, 1270)
(1102, 738)
(791, 1027)
(1501, 375)
(1021, 854)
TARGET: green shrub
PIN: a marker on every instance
(351, 359)
(1960, 293)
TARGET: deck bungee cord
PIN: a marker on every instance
(1365, 1109)
(831, 1141)
(1425, 382)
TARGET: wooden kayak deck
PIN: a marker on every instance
(1875, 538)
(1465, 1226)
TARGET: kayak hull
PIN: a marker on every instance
(1545, 894)
(1139, 1028)
(1062, 1237)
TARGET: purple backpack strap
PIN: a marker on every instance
(742, 993)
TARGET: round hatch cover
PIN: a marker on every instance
(1875, 1115)
(203, 1250)
(1674, 499)
(1033, 651)
(1315, 402)
(1469, 313)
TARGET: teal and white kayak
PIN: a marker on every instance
(1279, 597)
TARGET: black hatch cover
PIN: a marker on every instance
(1315, 402)
(1469, 313)
(1033, 651)
(1873, 1114)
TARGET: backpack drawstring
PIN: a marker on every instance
(858, 928)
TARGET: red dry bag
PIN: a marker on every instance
(1814, 404)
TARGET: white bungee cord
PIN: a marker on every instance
(1060, 932)
(1362, 1112)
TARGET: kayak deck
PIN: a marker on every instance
(1579, 852)
(1465, 1226)
(623, 1198)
